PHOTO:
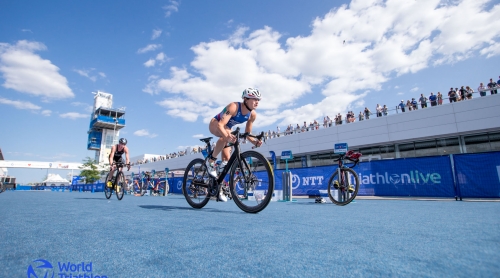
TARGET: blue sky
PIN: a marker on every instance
(175, 64)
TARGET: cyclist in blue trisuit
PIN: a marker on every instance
(116, 156)
(220, 126)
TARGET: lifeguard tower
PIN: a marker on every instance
(105, 125)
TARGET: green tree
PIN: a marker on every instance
(89, 170)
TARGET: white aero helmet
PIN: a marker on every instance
(251, 93)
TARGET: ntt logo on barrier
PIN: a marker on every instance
(43, 268)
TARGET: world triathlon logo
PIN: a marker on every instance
(40, 268)
(43, 269)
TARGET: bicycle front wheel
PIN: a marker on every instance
(119, 185)
(344, 188)
(252, 182)
(107, 190)
(143, 188)
(195, 184)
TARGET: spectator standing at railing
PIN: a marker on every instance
(325, 122)
(481, 89)
(367, 113)
(401, 106)
(316, 125)
(384, 110)
(408, 104)
(452, 94)
(423, 101)
(278, 131)
(414, 103)
(379, 110)
(433, 99)
(297, 129)
(440, 98)
(491, 86)
(458, 94)
(339, 119)
(470, 91)
(463, 92)
(361, 116)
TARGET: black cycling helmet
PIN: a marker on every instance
(123, 141)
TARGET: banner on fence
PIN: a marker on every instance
(478, 175)
(424, 177)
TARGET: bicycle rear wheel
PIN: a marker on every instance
(166, 189)
(195, 184)
(119, 185)
(344, 188)
(252, 182)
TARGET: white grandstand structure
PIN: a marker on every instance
(468, 126)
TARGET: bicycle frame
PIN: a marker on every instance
(235, 156)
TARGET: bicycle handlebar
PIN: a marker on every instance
(246, 134)
(343, 156)
(121, 164)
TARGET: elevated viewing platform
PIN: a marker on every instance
(108, 118)
(461, 127)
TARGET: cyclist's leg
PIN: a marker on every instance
(110, 174)
(221, 143)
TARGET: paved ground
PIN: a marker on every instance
(164, 237)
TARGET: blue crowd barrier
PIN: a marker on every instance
(469, 176)
(478, 175)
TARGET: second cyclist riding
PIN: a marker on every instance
(251, 178)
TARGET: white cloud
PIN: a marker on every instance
(145, 133)
(172, 7)
(198, 136)
(74, 116)
(149, 47)
(86, 107)
(156, 34)
(383, 39)
(414, 89)
(26, 72)
(20, 104)
(89, 74)
(46, 113)
(160, 59)
(150, 63)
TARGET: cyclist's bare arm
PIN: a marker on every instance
(248, 129)
(127, 158)
(111, 155)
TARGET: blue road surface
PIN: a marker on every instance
(70, 234)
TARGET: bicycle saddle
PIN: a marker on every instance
(206, 140)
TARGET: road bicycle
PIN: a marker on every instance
(145, 186)
(343, 185)
(163, 188)
(117, 182)
(251, 178)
